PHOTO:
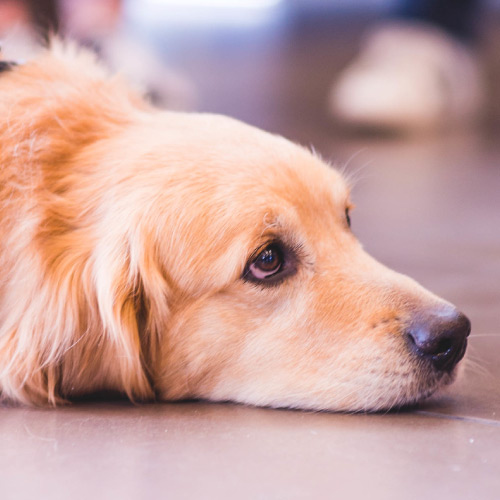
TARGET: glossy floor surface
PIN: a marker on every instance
(427, 206)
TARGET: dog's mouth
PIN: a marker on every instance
(430, 382)
(408, 389)
(433, 350)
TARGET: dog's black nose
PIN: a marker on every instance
(440, 338)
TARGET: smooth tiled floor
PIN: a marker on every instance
(429, 207)
(225, 451)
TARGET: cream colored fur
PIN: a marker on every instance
(124, 235)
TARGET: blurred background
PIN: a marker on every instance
(269, 62)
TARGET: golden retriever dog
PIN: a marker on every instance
(168, 256)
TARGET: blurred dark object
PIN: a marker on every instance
(459, 18)
(45, 16)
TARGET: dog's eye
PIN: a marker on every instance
(267, 263)
(347, 217)
(273, 263)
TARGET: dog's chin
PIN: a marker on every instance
(392, 395)
(429, 384)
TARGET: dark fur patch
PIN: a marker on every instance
(7, 65)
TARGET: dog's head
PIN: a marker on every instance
(194, 256)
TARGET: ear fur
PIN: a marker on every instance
(94, 326)
(132, 298)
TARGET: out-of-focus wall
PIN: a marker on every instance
(354, 4)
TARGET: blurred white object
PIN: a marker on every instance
(177, 14)
(409, 77)
(142, 67)
(19, 44)
(238, 4)
(137, 62)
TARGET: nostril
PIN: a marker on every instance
(442, 340)
(444, 346)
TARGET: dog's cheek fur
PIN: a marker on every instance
(268, 358)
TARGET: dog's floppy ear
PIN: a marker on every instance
(86, 326)
(132, 298)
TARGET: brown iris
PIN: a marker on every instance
(267, 263)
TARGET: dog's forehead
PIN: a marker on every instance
(250, 159)
(234, 176)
